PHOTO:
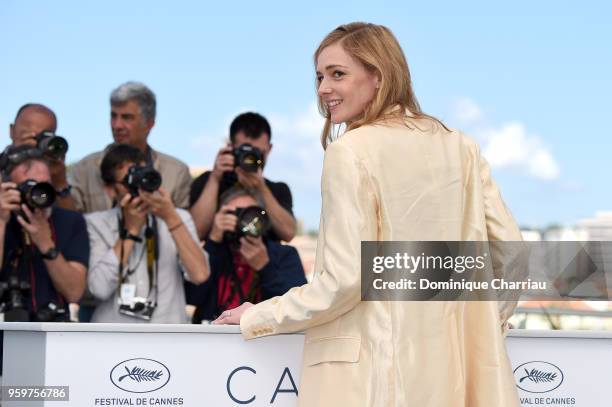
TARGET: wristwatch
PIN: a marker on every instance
(64, 192)
(50, 254)
(124, 234)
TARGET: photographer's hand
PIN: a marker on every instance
(10, 199)
(254, 252)
(251, 180)
(224, 221)
(134, 213)
(68, 277)
(224, 162)
(36, 223)
(160, 204)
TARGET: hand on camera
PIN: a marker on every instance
(254, 252)
(225, 221)
(224, 162)
(251, 180)
(36, 223)
(160, 204)
(134, 213)
(10, 199)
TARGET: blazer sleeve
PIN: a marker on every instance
(336, 286)
(509, 253)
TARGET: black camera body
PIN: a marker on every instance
(248, 158)
(51, 144)
(142, 177)
(252, 221)
(36, 194)
(52, 313)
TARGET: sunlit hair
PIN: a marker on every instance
(377, 49)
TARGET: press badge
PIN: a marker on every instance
(128, 292)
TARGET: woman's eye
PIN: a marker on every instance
(338, 74)
(319, 78)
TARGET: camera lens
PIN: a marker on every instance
(57, 146)
(150, 181)
(253, 221)
(42, 195)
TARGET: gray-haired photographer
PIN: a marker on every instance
(143, 248)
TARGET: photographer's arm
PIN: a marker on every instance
(57, 168)
(190, 253)
(203, 211)
(281, 219)
(68, 277)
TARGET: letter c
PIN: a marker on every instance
(229, 391)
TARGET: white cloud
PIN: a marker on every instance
(508, 145)
(511, 146)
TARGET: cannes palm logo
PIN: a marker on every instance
(140, 375)
(538, 377)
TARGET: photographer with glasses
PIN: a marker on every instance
(245, 266)
(242, 163)
(142, 248)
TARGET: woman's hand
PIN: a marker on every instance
(232, 317)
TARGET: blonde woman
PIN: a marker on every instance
(395, 174)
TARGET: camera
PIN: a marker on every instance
(52, 313)
(137, 307)
(252, 221)
(36, 194)
(51, 144)
(12, 303)
(248, 158)
(142, 177)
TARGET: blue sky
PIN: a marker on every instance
(529, 80)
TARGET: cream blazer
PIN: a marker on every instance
(410, 181)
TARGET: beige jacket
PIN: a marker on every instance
(393, 182)
(88, 187)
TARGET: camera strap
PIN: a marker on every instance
(152, 243)
(152, 249)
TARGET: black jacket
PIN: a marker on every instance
(283, 271)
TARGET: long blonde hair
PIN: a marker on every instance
(377, 49)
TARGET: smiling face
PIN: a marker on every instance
(344, 84)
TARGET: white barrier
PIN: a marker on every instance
(191, 365)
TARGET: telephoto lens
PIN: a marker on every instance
(248, 158)
(142, 177)
(36, 194)
(52, 145)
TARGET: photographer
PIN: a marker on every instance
(35, 125)
(142, 248)
(234, 165)
(244, 266)
(44, 249)
(133, 107)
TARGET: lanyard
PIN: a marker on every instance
(152, 249)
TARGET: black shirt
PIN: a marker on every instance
(71, 239)
(280, 190)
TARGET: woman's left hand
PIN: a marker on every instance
(232, 316)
